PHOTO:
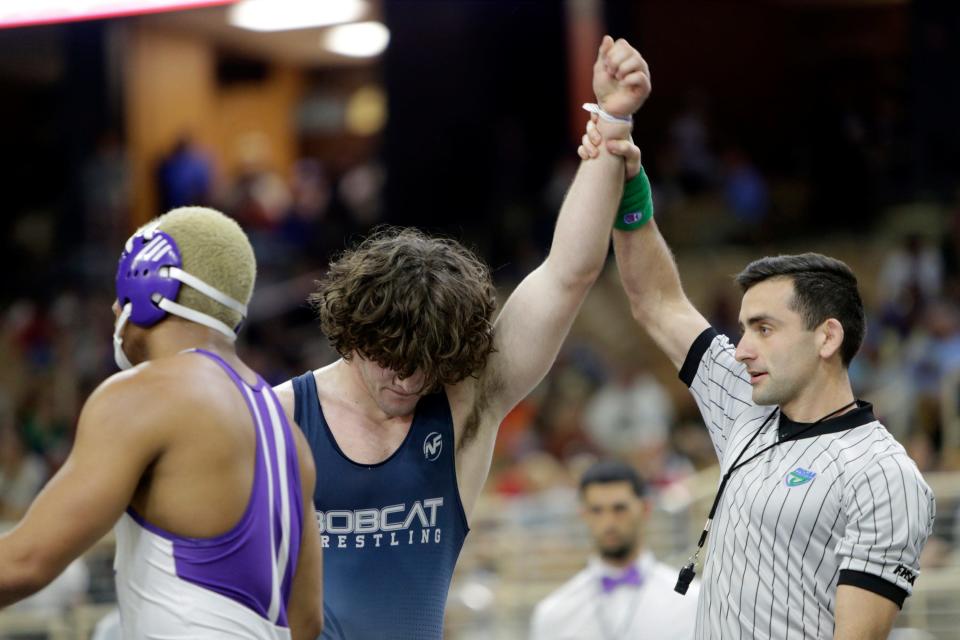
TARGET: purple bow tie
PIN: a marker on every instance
(629, 577)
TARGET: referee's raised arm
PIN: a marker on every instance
(647, 268)
(706, 361)
(652, 284)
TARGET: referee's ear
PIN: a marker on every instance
(829, 338)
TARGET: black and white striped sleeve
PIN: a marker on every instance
(890, 511)
(719, 384)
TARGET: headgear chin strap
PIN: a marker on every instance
(118, 355)
(148, 280)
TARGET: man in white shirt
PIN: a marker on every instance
(623, 592)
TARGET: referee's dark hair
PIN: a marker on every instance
(607, 471)
(823, 287)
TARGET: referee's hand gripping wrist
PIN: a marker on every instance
(613, 130)
(593, 139)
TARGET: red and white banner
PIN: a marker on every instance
(21, 13)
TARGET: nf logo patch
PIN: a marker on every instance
(432, 446)
(798, 477)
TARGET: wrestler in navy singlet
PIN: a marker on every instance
(391, 531)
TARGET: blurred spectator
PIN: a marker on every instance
(361, 190)
(259, 196)
(45, 423)
(910, 276)
(723, 310)
(547, 478)
(306, 225)
(31, 332)
(690, 151)
(631, 416)
(514, 437)
(22, 472)
(934, 350)
(562, 427)
(185, 176)
(744, 190)
(693, 443)
(559, 421)
(915, 264)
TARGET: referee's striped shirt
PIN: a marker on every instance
(841, 504)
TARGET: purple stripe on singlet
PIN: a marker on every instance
(238, 564)
(292, 482)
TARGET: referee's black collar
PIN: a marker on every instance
(862, 415)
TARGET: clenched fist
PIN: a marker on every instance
(621, 77)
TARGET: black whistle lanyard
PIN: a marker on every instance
(688, 572)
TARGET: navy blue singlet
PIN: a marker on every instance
(391, 531)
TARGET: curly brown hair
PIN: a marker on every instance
(410, 302)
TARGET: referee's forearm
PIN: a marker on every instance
(652, 283)
(648, 271)
(863, 615)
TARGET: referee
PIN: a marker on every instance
(821, 515)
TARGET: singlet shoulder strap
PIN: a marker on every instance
(306, 405)
(436, 408)
(230, 371)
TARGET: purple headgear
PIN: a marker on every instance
(140, 277)
(148, 280)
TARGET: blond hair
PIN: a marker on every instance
(215, 249)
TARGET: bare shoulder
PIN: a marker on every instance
(167, 391)
(287, 396)
(116, 396)
(144, 403)
(192, 379)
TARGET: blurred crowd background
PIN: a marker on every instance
(774, 126)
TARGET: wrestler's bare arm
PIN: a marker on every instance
(116, 440)
(538, 315)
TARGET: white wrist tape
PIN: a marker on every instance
(597, 109)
